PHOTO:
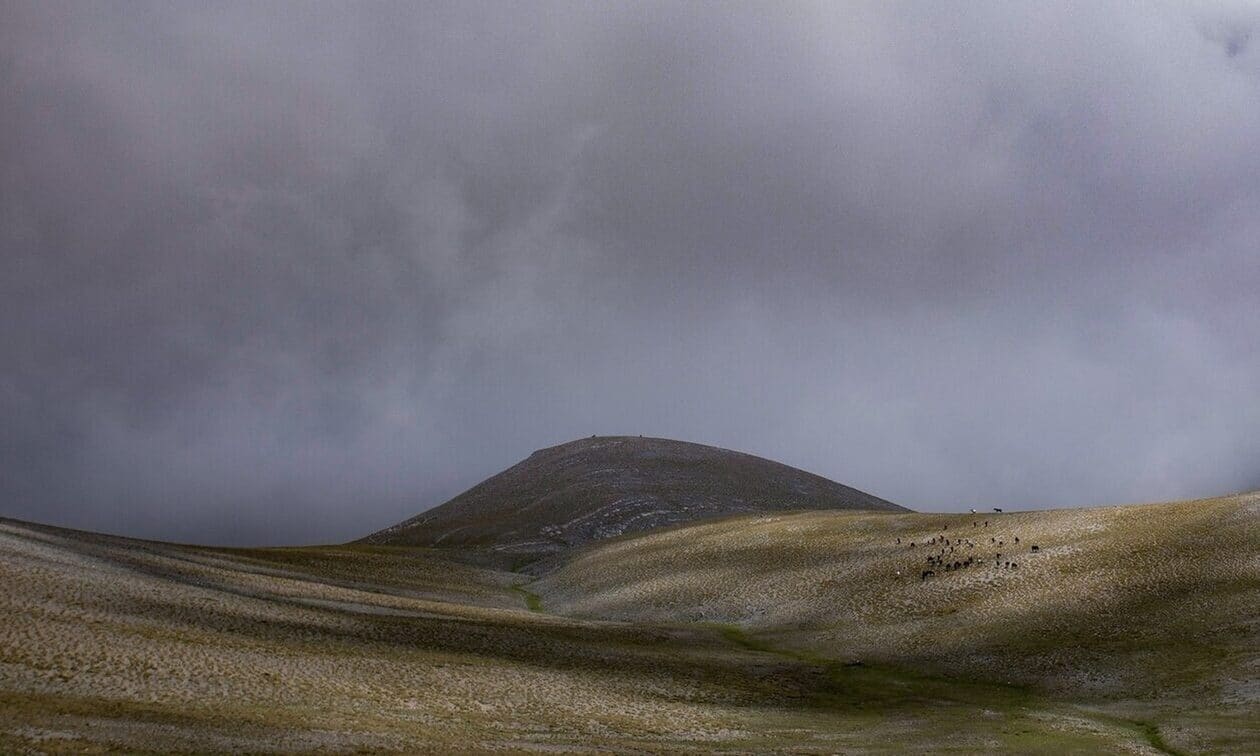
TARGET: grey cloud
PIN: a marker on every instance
(288, 272)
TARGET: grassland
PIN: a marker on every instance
(1133, 630)
(1145, 614)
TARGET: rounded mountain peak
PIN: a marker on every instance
(600, 487)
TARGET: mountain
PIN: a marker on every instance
(602, 487)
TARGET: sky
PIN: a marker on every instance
(278, 273)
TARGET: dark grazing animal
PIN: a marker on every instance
(1036, 548)
(997, 509)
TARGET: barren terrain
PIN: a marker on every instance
(605, 486)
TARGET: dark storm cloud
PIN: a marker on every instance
(283, 272)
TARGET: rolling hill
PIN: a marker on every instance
(1149, 612)
(694, 600)
(597, 488)
(1130, 630)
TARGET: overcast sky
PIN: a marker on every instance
(291, 272)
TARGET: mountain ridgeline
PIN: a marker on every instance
(606, 486)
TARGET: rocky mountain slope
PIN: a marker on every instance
(601, 487)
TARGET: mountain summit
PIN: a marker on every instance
(606, 486)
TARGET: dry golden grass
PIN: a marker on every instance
(1133, 631)
(1150, 608)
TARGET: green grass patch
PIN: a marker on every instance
(532, 600)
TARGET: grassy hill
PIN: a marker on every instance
(607, 486)
(1152, 611)
(1131, 630)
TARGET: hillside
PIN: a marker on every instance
(125, 646)
(1147, 611)
(770, 633)
(601, 487)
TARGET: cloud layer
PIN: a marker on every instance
(292, 272)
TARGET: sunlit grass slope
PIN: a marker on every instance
(109, 644)
(1152, 609)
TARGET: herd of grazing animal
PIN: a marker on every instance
(954, 554)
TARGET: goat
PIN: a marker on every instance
(997, 509)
